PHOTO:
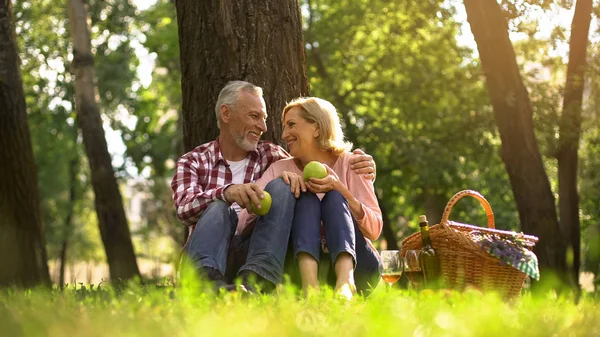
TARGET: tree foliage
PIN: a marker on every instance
(412, 97)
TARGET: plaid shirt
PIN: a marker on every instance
(202, 175)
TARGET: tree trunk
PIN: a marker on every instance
(22, 245)
(513, 113)
(256, 41)
(570, 133)
(180, 148)
(109, 204)
(434, 205)
(388, 232)
(73, 163)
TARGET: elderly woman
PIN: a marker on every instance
(338, 214)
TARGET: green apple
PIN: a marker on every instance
(314, 169)
(265, 205)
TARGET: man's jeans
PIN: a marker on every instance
(341, 234)
(262, 251)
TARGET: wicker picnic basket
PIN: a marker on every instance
(463, 262)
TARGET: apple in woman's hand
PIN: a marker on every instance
(314, 169)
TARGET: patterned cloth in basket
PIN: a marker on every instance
(510, 250)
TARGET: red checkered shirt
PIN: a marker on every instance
(202, 175)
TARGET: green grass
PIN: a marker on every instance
(185, 311)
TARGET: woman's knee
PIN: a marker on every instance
(333, 197)
(307, 214)
(278, 189)
(308, 200)
(336, 214)
(334, 201)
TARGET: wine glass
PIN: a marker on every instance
(412, 268)
(391, 266)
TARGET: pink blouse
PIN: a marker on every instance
(362, 189)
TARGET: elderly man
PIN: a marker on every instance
(214, 181)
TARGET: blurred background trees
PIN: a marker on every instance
(409, 80)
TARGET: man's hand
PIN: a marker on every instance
(363, 163)
(244, 194)
(295, 181)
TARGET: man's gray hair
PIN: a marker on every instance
(230, 94)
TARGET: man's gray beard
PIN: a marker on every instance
(245, 144)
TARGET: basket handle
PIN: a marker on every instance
(476, 195)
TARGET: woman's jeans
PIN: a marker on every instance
(263, 251)
(341, 235)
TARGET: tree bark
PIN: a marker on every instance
(388, 232)
(73, 164)
(109, 204)
(570, 133)
(224, 40)
(513, 114)
(22, 245)
(434, 205)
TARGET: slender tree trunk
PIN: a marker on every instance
(570, 133)
(592, 258)
(109, 204)
(224, 40)
(513, 113)
(388, 232)
(23, 259)
(69, 218)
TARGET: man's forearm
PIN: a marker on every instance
(190, 206)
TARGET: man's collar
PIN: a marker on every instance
(219, 156)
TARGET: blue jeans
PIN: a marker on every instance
(341, 234)
(261, 251)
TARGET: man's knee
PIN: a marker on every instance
(219, 213)
(217, 206)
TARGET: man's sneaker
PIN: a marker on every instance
(218, 280)
(255, 283)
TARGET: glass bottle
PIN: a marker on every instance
(428, 256)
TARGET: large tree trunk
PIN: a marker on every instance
(224, 40)
(570, 132)
(23, 259)
(109, 204)
(513, 113)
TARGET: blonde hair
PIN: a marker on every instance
(321, 112)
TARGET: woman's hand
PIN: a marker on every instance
(329, 183)
(295, 181)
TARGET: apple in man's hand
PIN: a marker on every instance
(265, 205)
